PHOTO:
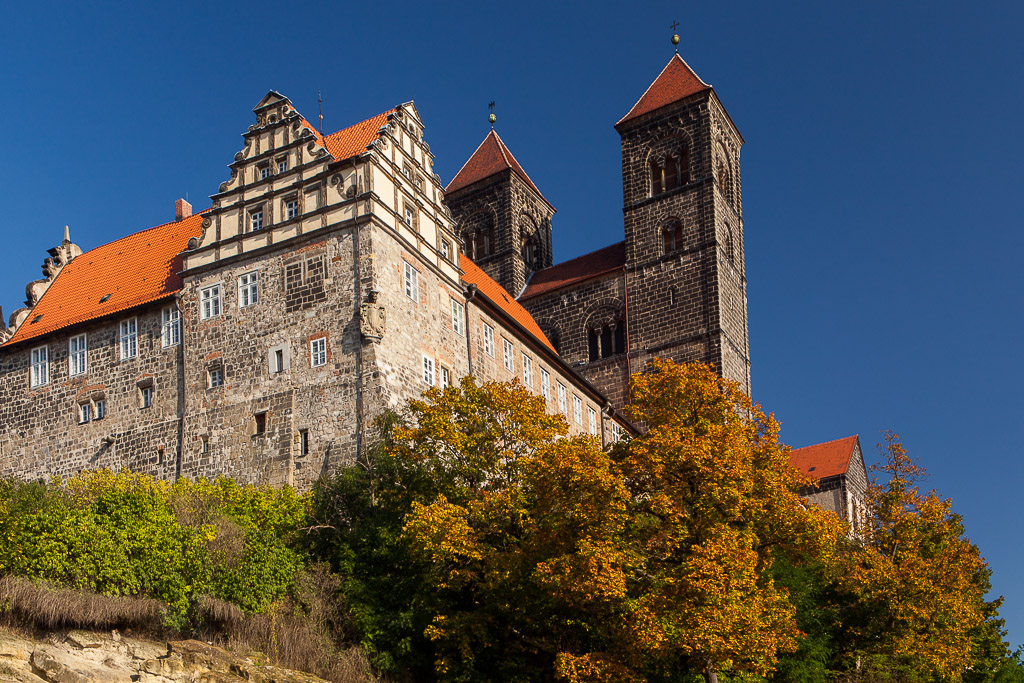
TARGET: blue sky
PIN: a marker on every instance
(879, 175)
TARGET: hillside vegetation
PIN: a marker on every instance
(476, 541)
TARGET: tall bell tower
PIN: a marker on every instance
(683, 213)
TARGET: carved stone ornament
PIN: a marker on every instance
(372, 318)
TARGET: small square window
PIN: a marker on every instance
(129, 338)
(100, 408)
(318, 352)
(410, 215)
(412, 282)
(446, 250)
(256, 220)
(84, 413)
(209, 302)
(291, 208)
(261, 423)
(248, 289)
(406, 172)
(488, 332)
(282, 164)
(146, 397)
(428, 370)
(263, 171)
(215, 377)
(204, 444)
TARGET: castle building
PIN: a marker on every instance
(334, 277)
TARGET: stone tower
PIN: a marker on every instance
(684, 265)
(503, 219)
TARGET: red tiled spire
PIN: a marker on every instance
(491, 157)
(822, 460)
(675, 82)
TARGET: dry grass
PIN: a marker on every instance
(25, 603)
(307, 634)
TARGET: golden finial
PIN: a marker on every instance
(491, 117)
(675, 36)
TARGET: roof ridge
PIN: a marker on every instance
(357, 123)
(826, 443)
(589, 253)
(138, 232)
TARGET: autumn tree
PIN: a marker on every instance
(918, 584)
(713, 501)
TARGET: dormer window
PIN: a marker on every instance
(263, 171)
(256, 219)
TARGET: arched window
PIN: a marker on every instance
(671, 177)
(670, 170)
(657, 186)
(730, 245)
(724, 179)
(606, 339)
(672, 235)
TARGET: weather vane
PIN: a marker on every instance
(492, 118)
(320, 111)
(675, 36)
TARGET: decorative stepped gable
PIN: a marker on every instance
(59, 257)
(677, 81)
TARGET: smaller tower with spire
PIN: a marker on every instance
(501, 216)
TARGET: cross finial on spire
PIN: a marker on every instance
(675, 36)
(320, 111)
(491, 117)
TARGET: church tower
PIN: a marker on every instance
(684, 263)
(503, 219)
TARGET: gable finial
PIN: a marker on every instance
(675, 36)
(320, 111)
(67, 234)
(491, 117)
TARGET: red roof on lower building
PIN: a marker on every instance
(573, 271)
(472, 274)
(829, 459)
(133, 270)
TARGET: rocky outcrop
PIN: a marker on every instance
(88, 657)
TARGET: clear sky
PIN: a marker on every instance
(882, 163)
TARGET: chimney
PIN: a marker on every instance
(182, 210)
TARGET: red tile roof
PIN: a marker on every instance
(497, 294)
(823, 460)
(134, 270)
(355, 139)
(675, 82)
(490, 158)
(576, 270)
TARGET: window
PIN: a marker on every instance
(406, 172)
(282, 164)
(209, 302)
(40, 366)
(101, 408)
(303, 442)
(592, 420)
(527, 370)
(263, 171)
(261, 423)
(256, 219)
(410, 215)
(278, 360)
(510, 360)
(170, 326)
(446, 377)
(248, 289)
(616, 432)
(77, 352)
(488, 332)
(446, 250)
(204, 444)
(458, 313)
(412, 282)
(291, 208)
(146, 396)
(160, 455)
(129, 338)
(561, 399)
(672, 235)
(215, 377)
(318, 352)
(545, 384)
(577, 409)
(428, 370)
(84, 413)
